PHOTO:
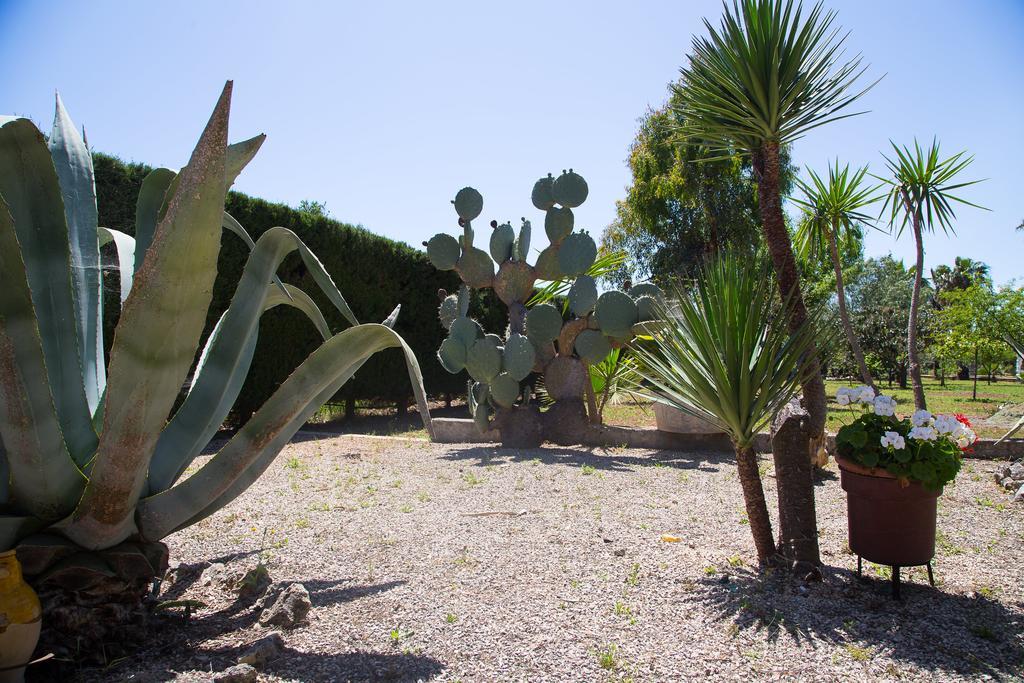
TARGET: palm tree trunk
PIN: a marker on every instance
(858, 353)
(797, 518)
(757, 509)
(915, 362)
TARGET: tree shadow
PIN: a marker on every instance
(943, 633)
(600, 457)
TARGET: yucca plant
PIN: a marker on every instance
(769, 74)
(93, 453)
(833, 214)
(920, 196)
(726, 354)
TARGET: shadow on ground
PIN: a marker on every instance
(945, 633)
(599, 458)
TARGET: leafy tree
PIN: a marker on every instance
(921, 193)
(832, 213)
(764, 78)
(964, 273)
(677, 211)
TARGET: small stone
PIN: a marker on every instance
(215, 574)
(724, 579)
(239, 673)
(263, 650)
(607, 540)
(1019, 496)
(1016, 471)
(289, 609)
(619, 552)
(254, 583)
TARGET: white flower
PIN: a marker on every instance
(884, 406)
(895, 440)
(947, 424)
(842, 398)
(865, 394)
(966, 437)
(923, 433)
(922, 418)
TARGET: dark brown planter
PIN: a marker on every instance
(889, 522)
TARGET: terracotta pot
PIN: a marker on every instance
(889, 522)
(20, 619)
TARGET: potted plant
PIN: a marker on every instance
(893, 470)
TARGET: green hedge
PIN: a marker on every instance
(372, 272)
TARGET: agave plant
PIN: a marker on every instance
(93, 454)
(726, 354)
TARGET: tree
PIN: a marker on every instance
(832, 213)
(763, 79)
(879, 298)
(921, 191)
(677, 212)
(964, 273)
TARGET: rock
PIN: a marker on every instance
(263, 650)
(254, 583)
(619, 552)
(289, 609)
(218, 574)
(239, 673)
(1017, 471)
(1019, 496)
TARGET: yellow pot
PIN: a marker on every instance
(20, 620)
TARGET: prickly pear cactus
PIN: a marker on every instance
(543, 339)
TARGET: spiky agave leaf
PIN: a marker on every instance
(156, 340)
(257, 443)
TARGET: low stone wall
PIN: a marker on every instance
(453, 430)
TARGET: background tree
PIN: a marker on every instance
(921, 192)
(964, 273)
(768, 75)
(832, 213)
(677, 212)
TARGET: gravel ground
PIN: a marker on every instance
(463, 563)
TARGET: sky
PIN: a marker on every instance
(384, 110)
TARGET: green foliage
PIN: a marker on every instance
(933, 463)
(725, 354)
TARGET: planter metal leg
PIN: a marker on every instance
(896, 582)
(860, 574)
(931, 577)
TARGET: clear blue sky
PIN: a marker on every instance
(384, 110)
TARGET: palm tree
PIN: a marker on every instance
(763, 79)
(832, 213)
(920, 190)
(725, 354)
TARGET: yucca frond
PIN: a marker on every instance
(768, 73)
(725, 353)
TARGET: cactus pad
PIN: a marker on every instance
(583, 295)
(541, 195)
(476, 268)
(505, 390)
(448, 311)
(514, 281)
(452, 355)
(645, 289)
(577, 253)
(483, 360)
(518, 356)
(482, 417)
(569, 189)
(592, 346)
(547, 264)
(616, 313)
(647, 307)
(558, 223)
(443, 251)
(543, 323)
(501, 243)
(522, 246)
(468, 203)
(466, 331)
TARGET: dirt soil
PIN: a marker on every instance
(464, 563)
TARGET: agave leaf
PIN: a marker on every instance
(220, 375)
(29, 185)
(235, 227)
(257, 443)
(14, 527)
(156, 340)
(41, 477)
(73, 163)
(147, 209)
(1013, 430)
(125, 246)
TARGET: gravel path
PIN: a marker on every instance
(460, 563)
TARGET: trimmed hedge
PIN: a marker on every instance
(372, 272)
